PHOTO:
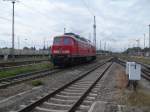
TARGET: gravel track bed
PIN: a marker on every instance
(107, 90)
(113, 90)
(25, 92)
(90, 78)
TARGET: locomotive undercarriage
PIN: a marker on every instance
(65, 60)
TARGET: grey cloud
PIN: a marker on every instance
(117, 20)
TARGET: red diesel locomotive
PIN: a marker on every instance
(70, 48)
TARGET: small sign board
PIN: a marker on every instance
(134, 71)
(5, 57)
(127, 67)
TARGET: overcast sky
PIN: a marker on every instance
(119, 22)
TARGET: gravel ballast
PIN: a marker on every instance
(114, 93)
(25, 92)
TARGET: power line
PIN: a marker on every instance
(149, 39)
(18, 22)
(87, 7)
(3, 18)
(94, 25)
(144, 40)
(40, 13)
(36, 11)
(13, 28)
(62, 10)
(94, 31)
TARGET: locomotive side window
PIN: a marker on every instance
(57, 40)
(66, 41)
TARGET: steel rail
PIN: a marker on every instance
(5, 82)
(52, 94)
(78, 103)
(145, 73)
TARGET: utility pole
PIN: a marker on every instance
(13, 31)
(94, 32)
(18, 43)
(100, 45)
(149, 39)
(105, 46)
(89, 36)
(44, 47)
(64, 30)
(138, 46)
(138, 42)
(144, 40)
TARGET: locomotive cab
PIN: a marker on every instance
(62, 49)
(71, 49)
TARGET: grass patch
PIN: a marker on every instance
(25, 69)
(24, 59)
(36, 83)
(137, 58)
(135, 101)
(139, 99)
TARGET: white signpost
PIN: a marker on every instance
(133, 70)
(127, 67)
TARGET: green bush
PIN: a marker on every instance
(37, 83)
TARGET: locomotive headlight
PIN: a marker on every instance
(59, 51)
(66, 51)
(56, 51)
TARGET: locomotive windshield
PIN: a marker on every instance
(57, 40)
(68, 41)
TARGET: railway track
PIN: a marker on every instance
(144, 65)
(75, 95)
(5, 82)
(146, 74)
(145, 70)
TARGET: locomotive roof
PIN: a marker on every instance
(78, 37)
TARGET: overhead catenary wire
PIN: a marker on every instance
(6, 19)
(17, 23)
(42, 14)
(91, 12)
(62, 10)
(94, 25)
(88, 8)
(20, 23)
(34, 10)
(71, 28)
(38, 12)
